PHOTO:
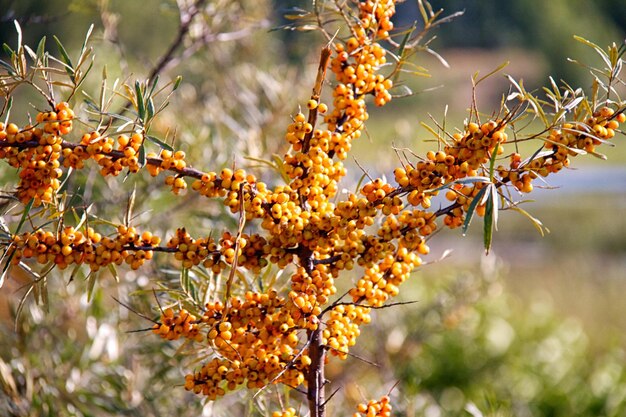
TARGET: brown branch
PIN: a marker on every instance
(114, 154)
(357, 304)
(315, 377)
(233, 269)
(315, 95)
(186, 18)
(143, 316)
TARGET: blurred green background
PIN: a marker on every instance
(534, 329)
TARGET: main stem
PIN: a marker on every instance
(315, 378)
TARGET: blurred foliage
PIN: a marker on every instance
(468, 346)
(77, 360)
(544, 26)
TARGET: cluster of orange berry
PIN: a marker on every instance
(173, 326)
(382, 280)
(103, 150)
(376, 16)
(476, 145)
(71, 246)
(314, 173)
(39, 152)
(256, 341)
(374, 408)
(190, 251)
(457, 160)
(355, 66)
(169, 161)
(250, 252)
(342, 328)
(460, 159)
(35, 151)
(562, 144)
(233, 185)
(288, 412)
(310, 290)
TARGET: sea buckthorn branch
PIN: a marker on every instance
(471, 163)
(313, 104)
(265, 336)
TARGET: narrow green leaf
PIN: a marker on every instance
(5, 269)
(8, 50)
(150, 108)
(21, 304)
(179, 79)
(472, 207)
(87, 36)
(119, 117)
(497, 69)
(492, 161)
(91, 282)
(141, 109)
(25, 214)
(599, 50)
(36, 293)
(184, 280)
(113, 272)
(488, 224)
(360, 183)
(41, 49)
(496, 210)
(422, 9)
(74, 272)
(555, 88)
(83, 217)
(141, 157)
(43, 294)
(280, 167)
(401, 58)
(91, 105)
(431, 130)
(65, 57)
(599, 155)
(443, 61)
(294, 12)
(491, 212)
(154, 84)
(159, 142)
(84, 75)
(569, 106)
(406, 38)
(260, 161)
